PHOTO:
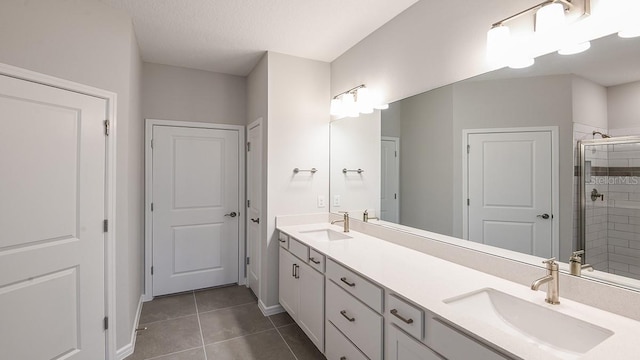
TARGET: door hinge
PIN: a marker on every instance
(107, 127)
(468, 148)
(152, 270)
(249, 146)
(106, 323)
(105, 225)
(248, 260)
(151, 206)
(395, 196)
(152, 143)
(396, 153)
(248, 203)
(468, 202)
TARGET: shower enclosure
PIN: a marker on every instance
(609, 204)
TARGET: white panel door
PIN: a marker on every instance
(52, 207)
(254, 204)
(311, 302)
(195, 208)
(510, 191)
(390, 180)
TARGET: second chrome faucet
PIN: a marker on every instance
(552, 281)
(345, 221)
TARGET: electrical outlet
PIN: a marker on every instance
(336, 200)
(321, 201)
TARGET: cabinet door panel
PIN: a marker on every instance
(311, 311)
(404, 347)
(288, 292)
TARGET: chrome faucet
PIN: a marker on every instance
(575, 263)
(366, 218)
(552, 281)
(345, 221)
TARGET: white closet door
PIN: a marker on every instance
(195, 208)
(52, 208)
(390, 180)
(510, 191)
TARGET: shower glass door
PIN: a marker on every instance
(609, 207)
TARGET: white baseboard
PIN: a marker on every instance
(270, 310)
(128, 349)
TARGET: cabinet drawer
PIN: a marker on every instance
(406, 316)
(355, 284)
(404, 347)
(454, 345)
(316, 260)
(284, 240)
(360, 324)
(339, 347)
(299, 249)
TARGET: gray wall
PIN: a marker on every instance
(90, 43)
(624, 106)
(176, 93)
(426, 165)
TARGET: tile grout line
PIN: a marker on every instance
(173, 353)
(225, 308)
(282, 337)
(204, 350)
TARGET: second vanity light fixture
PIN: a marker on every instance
(356, 101)
(550, 26)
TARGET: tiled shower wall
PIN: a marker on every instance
(624, 210)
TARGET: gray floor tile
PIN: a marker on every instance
(281, 319)
(232, 322)
(224, 297)
(300, 344)
(266, 345)
(167, 337)
(193, 354)
(168, 307)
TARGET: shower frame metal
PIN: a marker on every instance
(582, 208)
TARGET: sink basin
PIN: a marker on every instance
(326, 234)
(565, 336)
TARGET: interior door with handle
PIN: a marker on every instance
(196, 216)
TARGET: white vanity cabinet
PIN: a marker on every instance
(302, 291)
(401, 346)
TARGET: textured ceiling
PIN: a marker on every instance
(230, 36)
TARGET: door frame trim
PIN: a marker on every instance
(148, 194)
(258, 122)
(555, 177)
(110, 183)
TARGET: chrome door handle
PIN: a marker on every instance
(344, 313)
(257, 221)
(544, 216)
(394, 312)
(231, 214)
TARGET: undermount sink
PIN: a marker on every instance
(326, 234)
(557, 333)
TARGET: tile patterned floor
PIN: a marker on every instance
(218, 324)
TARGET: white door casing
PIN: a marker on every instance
(390, 179)
(510, 184)
(196, 208)
(254, 203)
(53, 154)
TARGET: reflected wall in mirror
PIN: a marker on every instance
(570, 96)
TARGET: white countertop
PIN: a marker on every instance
(427, 281)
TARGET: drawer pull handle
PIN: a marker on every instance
(394, 312)
(344, 280)
(343, 358)
(293, 270)
(283, 241)
(313, 260)
(344, 313)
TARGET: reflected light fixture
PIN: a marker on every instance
(631, 21)
(356, 101)
(550, 28)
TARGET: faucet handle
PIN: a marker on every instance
(551, 263)
(577, 256)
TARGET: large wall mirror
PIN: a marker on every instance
(495, 160)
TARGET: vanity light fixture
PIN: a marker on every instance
(353, 102)
(631, 22)
(550, 27)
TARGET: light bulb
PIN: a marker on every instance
(365, 105)
(349, 105)
(498, 43)
(336, 107)
(550, 18)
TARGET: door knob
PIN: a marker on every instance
(231, 214)
(544, 216)
(257, 221)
